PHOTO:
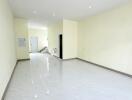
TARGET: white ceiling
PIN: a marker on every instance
(48, 11)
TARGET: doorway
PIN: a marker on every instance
(61, 46)
(34, 44)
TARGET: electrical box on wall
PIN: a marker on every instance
(21, 42)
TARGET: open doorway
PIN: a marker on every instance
(34, 44)
(38, 36)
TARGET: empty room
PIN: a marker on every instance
(65, 50)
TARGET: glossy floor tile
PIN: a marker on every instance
(46, 78)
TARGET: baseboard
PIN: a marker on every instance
(23, 59)
(9, 81)
(129, 75)
(69, 59)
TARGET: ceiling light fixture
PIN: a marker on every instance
(34, 12)
(53, 14)
(36, 96)
(90, 7)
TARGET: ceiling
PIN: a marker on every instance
(49, 11)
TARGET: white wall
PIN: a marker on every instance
(21, 30)
(106, 39)
(70, 29)
(42, 36)
(7, 45)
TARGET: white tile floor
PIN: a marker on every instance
(46, 78)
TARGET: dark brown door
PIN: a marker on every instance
(61, 45)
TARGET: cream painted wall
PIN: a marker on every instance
(53, 36)
(70, 29)
(7, 45)
(106, 39)
(42, 37)
(21, 30)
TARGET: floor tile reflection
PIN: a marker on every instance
(47, 78)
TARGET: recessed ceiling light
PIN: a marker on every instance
(90, 6)
(54, 14)
(34, 12)
(36, 96)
